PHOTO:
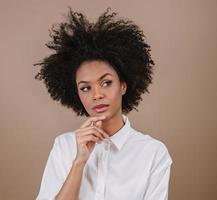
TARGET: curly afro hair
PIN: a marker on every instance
(119, 42)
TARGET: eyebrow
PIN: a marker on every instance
(104, 75)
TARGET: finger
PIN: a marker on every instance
(89, 131)
(89, 121)
(92, 120)
(88, 138)
(98, 124)
(99, 131)
(105, 135)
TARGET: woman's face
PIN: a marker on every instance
(98, 83)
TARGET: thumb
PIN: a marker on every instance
(98, 124)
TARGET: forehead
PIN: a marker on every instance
(92, 70)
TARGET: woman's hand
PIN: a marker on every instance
(87, 135)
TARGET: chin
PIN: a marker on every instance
(107, 114)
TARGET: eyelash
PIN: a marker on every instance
(108, 83)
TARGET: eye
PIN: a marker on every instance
(108, 82)
(83, 89)
(86, 88)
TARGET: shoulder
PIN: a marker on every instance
(151, 145)
(65, 144)
(65, 138)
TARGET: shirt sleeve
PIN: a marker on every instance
(52, 178)
(158, 184)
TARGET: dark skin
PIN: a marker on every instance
(108, 90)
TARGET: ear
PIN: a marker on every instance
(123, 87)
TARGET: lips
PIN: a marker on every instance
(100, 108)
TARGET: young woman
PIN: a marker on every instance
(100, 70)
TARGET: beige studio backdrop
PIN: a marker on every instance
(180, 110)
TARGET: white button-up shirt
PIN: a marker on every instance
(129, 165)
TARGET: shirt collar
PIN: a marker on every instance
(120, 137)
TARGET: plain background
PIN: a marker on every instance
(180, 110)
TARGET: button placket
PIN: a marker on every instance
(102, 171)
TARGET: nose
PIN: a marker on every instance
(97, 93)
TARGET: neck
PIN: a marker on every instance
(113, 125)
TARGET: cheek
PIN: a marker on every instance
(82, 99)
(115, 95)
